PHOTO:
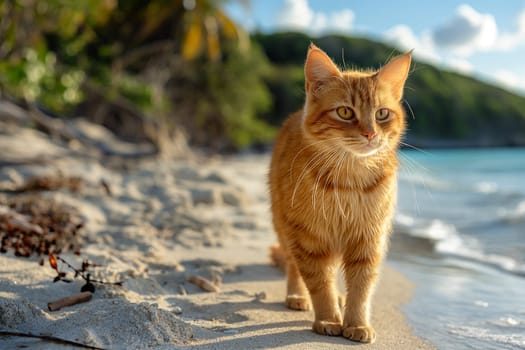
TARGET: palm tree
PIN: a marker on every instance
(205, 23)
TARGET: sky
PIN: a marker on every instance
(483, 38)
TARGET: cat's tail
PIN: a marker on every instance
(278, 256)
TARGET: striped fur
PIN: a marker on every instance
(333, 190)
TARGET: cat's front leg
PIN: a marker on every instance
(360, 276)
(319, 275)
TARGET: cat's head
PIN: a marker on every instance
(357, 110)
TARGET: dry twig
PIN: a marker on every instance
(50, 183)
(70, 300)
(203, 283)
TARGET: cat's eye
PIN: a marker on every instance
(383, 114)
(345, 113)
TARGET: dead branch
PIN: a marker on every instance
(70, 300)
(204, 283)
(50, 183)
(154, 49)
(87, 277)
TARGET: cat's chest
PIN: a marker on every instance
(342, 206)
(350, 203)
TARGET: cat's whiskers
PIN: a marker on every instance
(324, 169)
(412, 162)
(321, 173)
(317, 179)
(348, 163)
(317, 158)
(410, 109)
(413, 147)
(317, 154)
(336, 184)
(337, 159)
(301, 151)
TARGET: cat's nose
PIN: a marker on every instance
(369, 134)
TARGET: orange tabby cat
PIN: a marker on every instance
(333, 189)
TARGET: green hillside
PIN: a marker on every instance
(449, 109)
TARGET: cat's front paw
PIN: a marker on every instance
(363, 334)
(327, 328)
(298, 302)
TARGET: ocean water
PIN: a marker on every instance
(459, 234)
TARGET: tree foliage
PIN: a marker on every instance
(137, 66)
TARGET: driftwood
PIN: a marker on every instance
(70, 300)
(204, 283)
(49, 183)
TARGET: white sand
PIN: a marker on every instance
(164, 221)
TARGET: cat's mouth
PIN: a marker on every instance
(365, 149)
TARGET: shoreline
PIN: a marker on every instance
(162, 221)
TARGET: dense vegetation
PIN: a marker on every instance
(151, 69)
(145, 69)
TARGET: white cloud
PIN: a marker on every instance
(402, 37)
(508, 41)
(295, 14)
(459, 65)
(508, 79)
(341, 21)
(468, 31)
(298, 15)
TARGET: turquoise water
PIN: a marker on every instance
(459, 234)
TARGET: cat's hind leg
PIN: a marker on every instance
(297, 297)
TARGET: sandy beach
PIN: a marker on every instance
(152, 223)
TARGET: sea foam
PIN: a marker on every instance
(447, 241)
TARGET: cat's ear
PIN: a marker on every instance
(395, 72)
(318, 67)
